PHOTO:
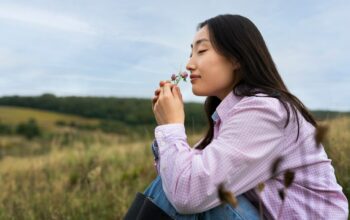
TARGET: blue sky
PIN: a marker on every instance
(124, 48)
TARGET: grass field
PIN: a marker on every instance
(46, 119)
(92, 175)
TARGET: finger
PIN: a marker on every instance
(157, 92)
(178, 93)
(154, 100)
(163, 82)
(167, 89)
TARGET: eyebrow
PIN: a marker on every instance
(199, 41)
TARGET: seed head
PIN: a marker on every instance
(276, 165)
(321, 132)
(261, 187)
(227, 196)
(281, 194)
(288, 178)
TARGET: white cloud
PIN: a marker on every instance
(7, 58)
(124, 48)
(44, 18)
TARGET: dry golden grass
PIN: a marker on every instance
(337, 145)
(91, 175)
(93, 180)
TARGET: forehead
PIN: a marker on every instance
(201, 33)
(201, 36)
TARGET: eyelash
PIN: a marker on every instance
(202, 51)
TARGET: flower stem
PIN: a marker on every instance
(260, 207)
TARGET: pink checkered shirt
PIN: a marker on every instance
(249, 135)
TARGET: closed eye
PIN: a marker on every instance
(201, 51)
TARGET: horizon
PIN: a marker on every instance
(125, 97)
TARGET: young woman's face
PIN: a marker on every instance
(215, 71)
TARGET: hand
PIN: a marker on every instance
(157, 92)
(167, 104)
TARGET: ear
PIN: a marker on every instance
(236, 71)
(236, 65)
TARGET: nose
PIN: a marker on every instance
(190, 66)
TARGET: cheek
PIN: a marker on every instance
(222, 69)
(217, 71)
(216, 75)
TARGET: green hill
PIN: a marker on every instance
(128, 111)
(14, 115)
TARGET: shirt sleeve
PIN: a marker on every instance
(239, 157)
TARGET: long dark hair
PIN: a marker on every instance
(237, 38)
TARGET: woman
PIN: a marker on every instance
(254, 121)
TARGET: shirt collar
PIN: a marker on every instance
(225, 106)
(215, 116)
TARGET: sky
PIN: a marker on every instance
(123, 48)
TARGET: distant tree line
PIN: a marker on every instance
(119, 113)
(116, 113)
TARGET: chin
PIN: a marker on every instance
(198, 92)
